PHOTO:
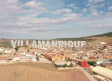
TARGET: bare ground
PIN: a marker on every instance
(38, 72)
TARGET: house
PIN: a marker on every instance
(7, 51)
(22, 58)
(84, 57)
(53, 58)
(62, 57)
(102, 61)
(102, 43)
(3, 59)
(22, 52)
(84, 64)
(30, 57)
(16, 57)
(1, 49)
(58, 58)
(12, 49)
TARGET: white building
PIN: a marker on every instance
(7, 51)
(103, 72)
(1, 49)
(17, 58)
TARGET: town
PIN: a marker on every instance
(95, 60)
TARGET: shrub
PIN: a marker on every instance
(65, 65)
(71, 65)
(92, 63)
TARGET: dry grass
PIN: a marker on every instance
(100, 39)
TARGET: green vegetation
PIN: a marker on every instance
(0, 53)
(76, 39)
(99, 51)
(103, 35)
(17, 48)
(27, 50)
(65, 65)
(92, 63)
(104, 47)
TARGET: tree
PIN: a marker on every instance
(104, 47)
(92, 63)
(28, 50)
(17, 48)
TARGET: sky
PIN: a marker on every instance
(49, 19)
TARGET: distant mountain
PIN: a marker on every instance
(103, 35)
(87, 38)
(97, 38)
(76, 39)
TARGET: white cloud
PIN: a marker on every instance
(108, 13)
(99, 0)
(94, 11)
(71, 5)
(95, 3)
(102, 26)
(61, 11)
(12, 1)
(84, 10)
(96, 0)
(9, 7)
(102, 5)
(101, 12)
(15, 17)
(76, 8)
(71, 17)
(34, 4)
(110, 8)
(90, 0)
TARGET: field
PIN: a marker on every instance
(25, 72)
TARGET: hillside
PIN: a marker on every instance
(103, 35)
(106, 37)
(109, 43)
(76, 39)
(88, 38)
